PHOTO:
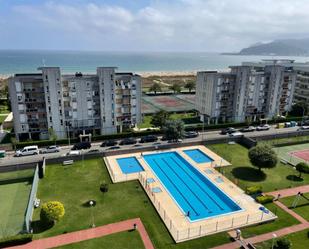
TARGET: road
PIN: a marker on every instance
(209, 135)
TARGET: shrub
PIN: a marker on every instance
(51, 212)
(104, 187)
(15, 240)
(302, 168)
(263, 156)
(263, 199)
(283, 243)
(254, 190)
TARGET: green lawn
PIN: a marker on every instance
(245, 174)
(76, 184)
(2, 118)
(302, 207)
(294, 139)
(284, 220)
(14, 196)
(123, 240)
(299, 240)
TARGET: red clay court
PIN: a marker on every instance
(302, 154)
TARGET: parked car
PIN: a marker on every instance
(27, 151)
(191, 134)
(304, 127)
(148, 139)
(130, 140)
(108, 143)
(175, 141)
(51, 149)
(248, 129)
(82, 146)
(93, 151)
(113, 148)
(228, 130)
(163, 138)
(264, 127)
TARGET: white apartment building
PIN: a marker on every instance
(245, 93)
(103, 103)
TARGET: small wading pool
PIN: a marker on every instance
(129, 165)
(198, 156)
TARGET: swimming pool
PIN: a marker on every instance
(195, 194)
(129, 165)
(198, 156)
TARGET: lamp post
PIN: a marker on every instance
(92, 216)
(273, 241)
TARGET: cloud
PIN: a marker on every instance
(193, 25)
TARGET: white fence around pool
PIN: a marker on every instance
(197, 231)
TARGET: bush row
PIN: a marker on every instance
(263, 199)
(15, 240)
(254, 190)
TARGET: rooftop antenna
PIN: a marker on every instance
(43, 62)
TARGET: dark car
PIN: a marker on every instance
(108, 143)
(228, 130)
(81, 146)
(113, 148)
(248, 129)
(191, 134)
(149, 139)
(130, 140)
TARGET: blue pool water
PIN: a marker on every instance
(198, 156)
(129, 165)
(192, 191)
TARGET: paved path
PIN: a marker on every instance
(290, 191)
(304, 224)
(91, 233)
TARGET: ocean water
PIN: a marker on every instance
(27, 61)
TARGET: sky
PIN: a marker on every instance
(149, 25)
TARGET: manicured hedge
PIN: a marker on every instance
(15, 240)
(254, 190)
(263, 199)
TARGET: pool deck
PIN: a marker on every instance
(175, 220)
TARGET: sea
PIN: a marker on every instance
(27, 61)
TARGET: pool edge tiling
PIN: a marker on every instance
(178, 224)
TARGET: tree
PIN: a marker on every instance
(52, 135)
(302, 168)
(299, 109)
(51, 212)
(175, 87)
(159, 119)
(190, 85)
(174, 129)
(283, 243)
(262, 156)
(156, 87)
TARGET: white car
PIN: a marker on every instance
(303, 127)
(27, 151)
(264, 127)
(73, 153)
(236, 134)
(51, 149)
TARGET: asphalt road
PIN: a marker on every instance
(210, 135)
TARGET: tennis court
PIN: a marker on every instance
(15, 188)
(169, 103)
(294, 153)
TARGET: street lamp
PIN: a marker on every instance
(273, 241)
(91, 203)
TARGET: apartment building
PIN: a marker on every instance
(103, 103)
(301, 93)
(245, 93)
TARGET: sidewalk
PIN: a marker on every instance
(290, 191)
(88, 234)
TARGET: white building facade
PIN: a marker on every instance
(103, 103)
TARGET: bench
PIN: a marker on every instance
(68, 162)
(284, 161)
